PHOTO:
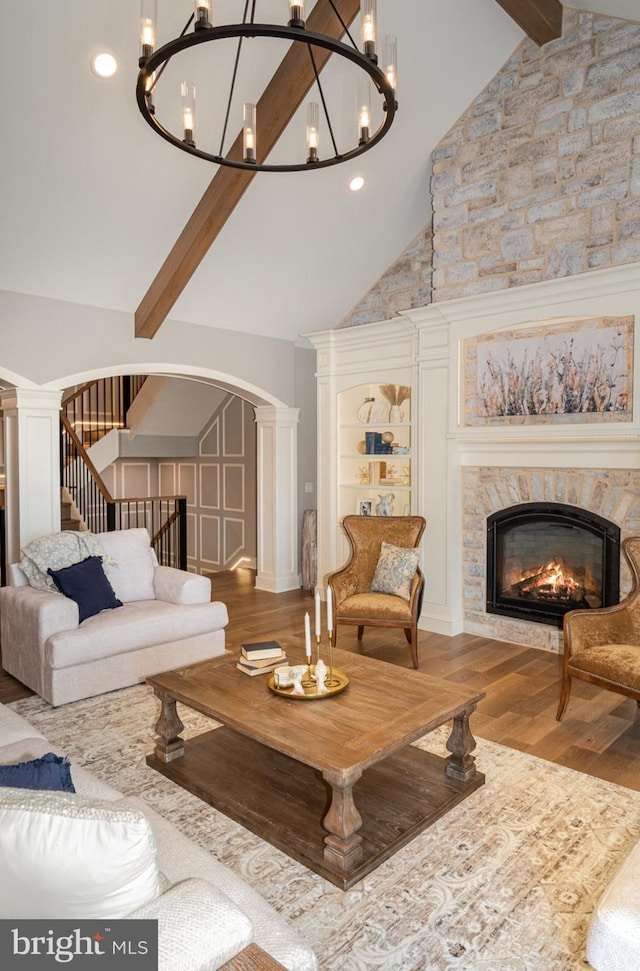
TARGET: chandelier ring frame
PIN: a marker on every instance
(161, 57)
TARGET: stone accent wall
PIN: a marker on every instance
(406, 283)
(540, 178)
(613, 494)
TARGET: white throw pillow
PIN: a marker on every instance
(69, 856)
(132, 576)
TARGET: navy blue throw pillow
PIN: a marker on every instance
(51, 772)
(87, 584)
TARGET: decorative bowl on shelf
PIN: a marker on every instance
(373, 412)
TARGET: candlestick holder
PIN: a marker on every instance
(330, 680)
(308, 682)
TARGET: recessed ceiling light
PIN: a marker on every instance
(356, 184)
(104, 65)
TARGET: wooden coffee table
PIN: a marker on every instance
(334, 783)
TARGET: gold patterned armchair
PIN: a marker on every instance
(602, 645)
(354, 601)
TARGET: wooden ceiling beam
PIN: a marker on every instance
(541, 20)
(275, 109)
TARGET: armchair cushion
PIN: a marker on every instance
(86, 583)
(375, 606)
(395, 570)
(619, 663)
(132, 575)
(66, 855)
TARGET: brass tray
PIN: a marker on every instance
(311, 693)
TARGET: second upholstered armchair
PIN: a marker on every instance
(381, 585)
(602, 645)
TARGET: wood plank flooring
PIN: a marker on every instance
(600, 733)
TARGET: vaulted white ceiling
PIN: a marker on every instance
(92, 200)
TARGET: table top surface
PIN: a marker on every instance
(383, 708)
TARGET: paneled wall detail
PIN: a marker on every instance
(219, 483)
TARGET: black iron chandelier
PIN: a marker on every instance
(372, 77)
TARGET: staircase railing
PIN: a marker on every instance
(165, 517)
(95, 408)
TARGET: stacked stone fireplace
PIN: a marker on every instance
(607, 500)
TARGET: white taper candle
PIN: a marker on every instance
(329, 610)
(318, 624)
(307, 635)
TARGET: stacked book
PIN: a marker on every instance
(260, 658)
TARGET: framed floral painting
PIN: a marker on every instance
(576, 371)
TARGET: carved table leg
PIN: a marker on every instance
(461, 743)
(343, 845)
(169, 745)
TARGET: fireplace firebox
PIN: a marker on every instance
(545, 558)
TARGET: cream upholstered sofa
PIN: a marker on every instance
(167, 620)
(208, 917)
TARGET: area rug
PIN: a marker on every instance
(506, 881)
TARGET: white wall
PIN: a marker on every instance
(53, 343)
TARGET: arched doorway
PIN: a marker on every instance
(31, 430)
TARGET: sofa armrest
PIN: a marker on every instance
(179, 587)
(32, 616)
(199, 927)
(28, 618)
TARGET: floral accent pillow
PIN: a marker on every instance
(395, 570)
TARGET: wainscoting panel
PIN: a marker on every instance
(234, 488)
(210, 486)
(233, 539)
(187, 482)
(210, 441)
(210, 541)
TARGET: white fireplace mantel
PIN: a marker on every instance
(446, 450)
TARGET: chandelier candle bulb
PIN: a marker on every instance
(369, 28)
(313, 133)
(148, 20)
(188, 92)
(364, 111)
(296, 13)
(202, 15)
(390, 59)
(249, 131)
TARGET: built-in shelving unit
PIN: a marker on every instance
(374, 453)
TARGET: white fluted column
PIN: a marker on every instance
(277, 513)
(32, 465)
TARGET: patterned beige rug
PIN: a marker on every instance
(505, 882)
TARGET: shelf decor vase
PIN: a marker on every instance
(385, 506)
(396, 414)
